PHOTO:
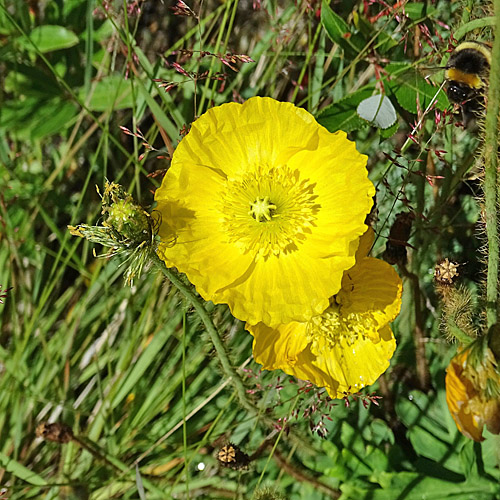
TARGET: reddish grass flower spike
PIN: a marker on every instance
(182, 9)
(229, 59)
(180, 69)
(134, 9)
(3, 293)
(184, 130)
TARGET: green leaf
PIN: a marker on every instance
(411, 90)
(20, 471)
(474, 25)
(426, 417)
(386, 133)
(111, 93)
(342, 115)
(378, 432)
(383, 41)
(30, 80)
(415, 10)
(55, 120)
(339, 32)
(412, 486)
(468, 459)
(50, 37)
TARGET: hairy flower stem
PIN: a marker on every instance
(490, 175)
(230, 372)
(211, 330)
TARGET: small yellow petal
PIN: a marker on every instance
(346, 368)
(371, 288)
(342, 368)
(278, 348)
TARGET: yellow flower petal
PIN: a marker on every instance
(278, 348)
(371, 289)
(346, 347)
(262, 209)
(459, 392)
(472, 384)
(365, 244)
(346, 368)
(341, 368)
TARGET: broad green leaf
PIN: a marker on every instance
(415, 10)
(383, 41)
(351, 439)
(412, 486)
(31, 81)
(342, 115)
(378, 432)
(35, 118)
(474, 25)
(468, 459)
(411, 90)
(104, 31)
(389, 132)
(110, 93)
(55, 120)
(49, 38)
(357, 464)
(428, 445)
(339, 32)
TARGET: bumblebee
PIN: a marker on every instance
(466, 75)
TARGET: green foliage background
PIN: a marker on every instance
(131, 370)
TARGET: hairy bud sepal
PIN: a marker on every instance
(127, 230)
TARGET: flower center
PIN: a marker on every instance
(268, 210)
(333, 328)
(262, 210)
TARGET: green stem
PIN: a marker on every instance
(230, 372)
(211, 329)
(457, 332)
(491, 176)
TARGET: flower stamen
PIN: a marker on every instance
(262, 209)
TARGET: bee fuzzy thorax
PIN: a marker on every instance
(478, 55)
(469, 64)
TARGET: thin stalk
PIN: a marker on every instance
(222, 354)
(211, 329)
(491, 175)
(184, 404)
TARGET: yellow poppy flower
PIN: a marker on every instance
(262, 208)
(473, 391)
(350, 344)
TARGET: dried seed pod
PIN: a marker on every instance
(232, 457)
(57, 432)
(445, 272)
(395, 248)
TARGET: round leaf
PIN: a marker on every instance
(49, 38)
(377, 109)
